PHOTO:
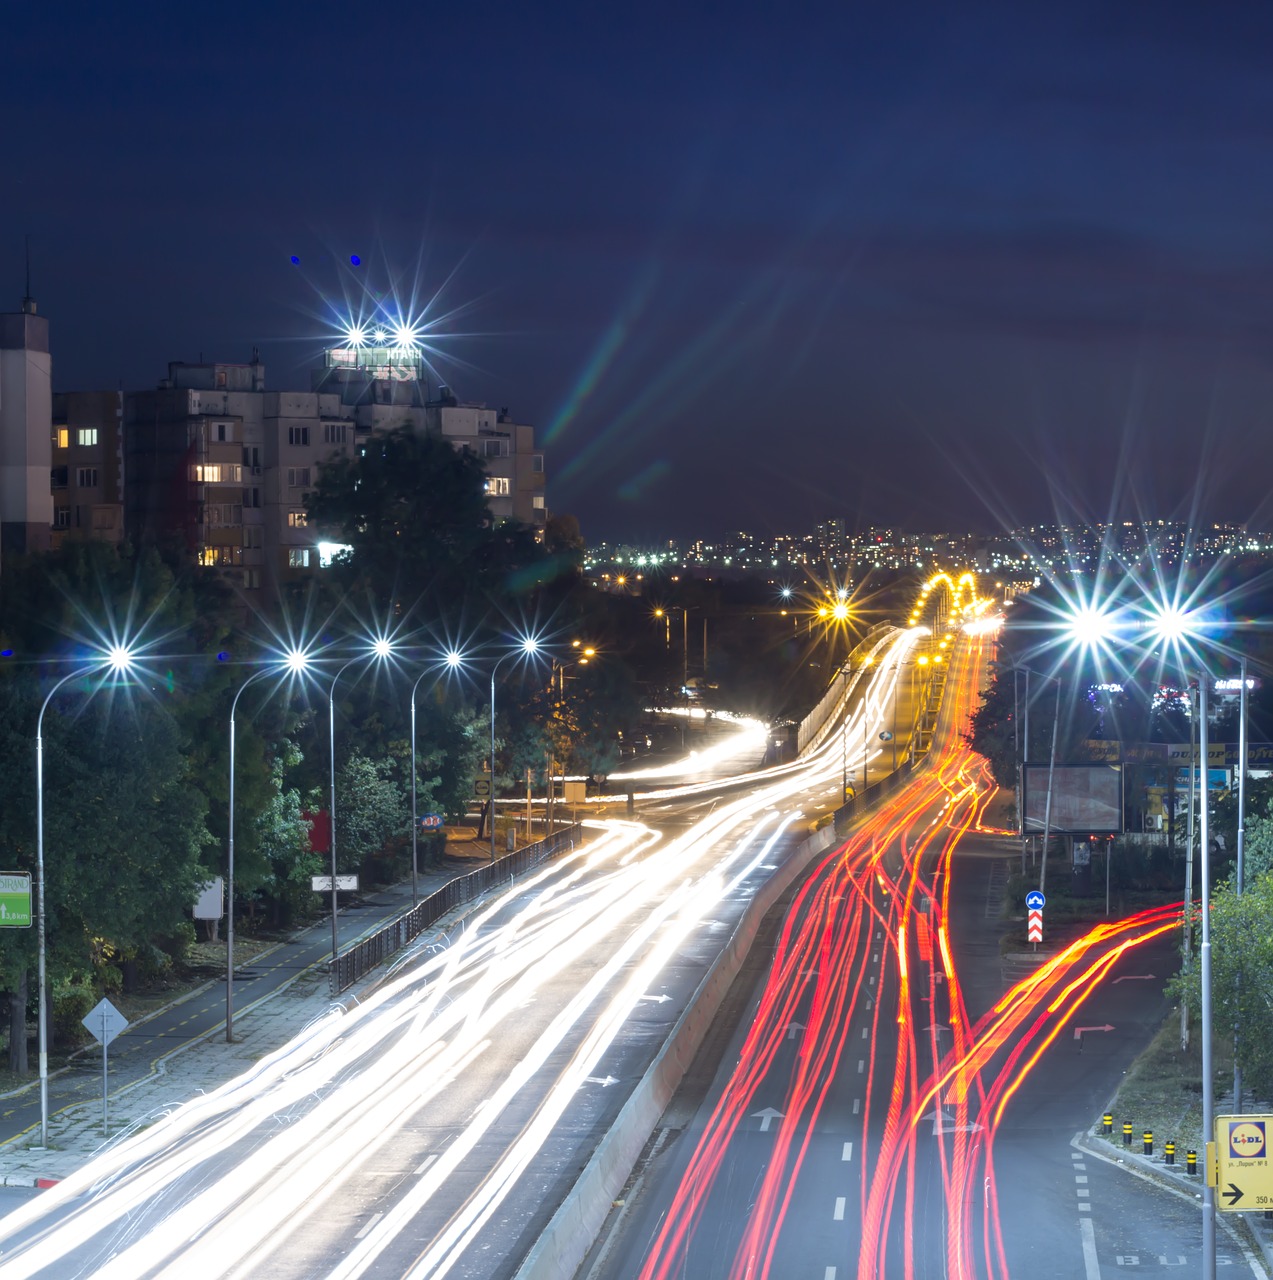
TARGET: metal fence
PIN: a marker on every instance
(364, 956)
(868, 796)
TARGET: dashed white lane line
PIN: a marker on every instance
(847, 1153)
(829, 1274)
(857, 1106)
(864, 1033)
(428, 1160)
(367, 1226)
(861, 1065)
(1087, 1233)
(838, 1215)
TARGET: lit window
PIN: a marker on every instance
(298, 558)
(62, 438)
(295, 519)
(216, 473)
(86, 477)
(498, 487)
(538, 502)
(86, 435)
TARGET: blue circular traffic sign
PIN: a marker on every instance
(1035, 900)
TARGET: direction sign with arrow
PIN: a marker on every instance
(1232, 1195)
(1035, 901)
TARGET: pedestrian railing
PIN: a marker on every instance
(364, 956)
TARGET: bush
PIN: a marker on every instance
(72, 999)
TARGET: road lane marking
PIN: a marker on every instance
(829, 1274)
(863, 1033)
(847, 1153)
(371, 1222)
(838, 1215)
(428, 1160)
(861, 1065)
(857, 1105)
(1091, 1266)
(1082, 1191)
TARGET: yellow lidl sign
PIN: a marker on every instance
(1243, 1170)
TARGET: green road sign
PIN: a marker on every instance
(15, 899)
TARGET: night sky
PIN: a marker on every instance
(941, 266)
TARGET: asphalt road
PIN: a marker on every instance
(898, 1119)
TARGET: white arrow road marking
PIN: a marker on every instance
(1078, 1031)
(944, 1123)
(659, 999)
(793, 1028)
(767, 1116)
(604, 1081)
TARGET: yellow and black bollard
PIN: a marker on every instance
(1127, 1133)
(1169, 1152)
(1107, 1122)
(1191, 1162)
(1148, 1139)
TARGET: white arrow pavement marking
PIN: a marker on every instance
(604, 1081)
(1078, 1031)
(792, 1028)
(1134, 977)
(936, 1026)
(767, 1117)
(659, 999)
(943, 1123)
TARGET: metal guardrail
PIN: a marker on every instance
(891, 782)
(364, 956)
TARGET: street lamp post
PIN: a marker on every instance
(1204, 955)
(381, 649)
(229, 874)
(528, 646)
(118, 660)
(453, 660)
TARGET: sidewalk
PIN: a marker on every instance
(1252, 1229)
(204, 1060)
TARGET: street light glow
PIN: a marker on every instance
(1090, 625)
(383, 648)
(296, 661)
(119, 658)
(454, 659)
(1171, 624)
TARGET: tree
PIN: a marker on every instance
(370, 811)
(1241, 975)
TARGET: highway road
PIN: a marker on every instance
(892, 1102)
(432, 1129)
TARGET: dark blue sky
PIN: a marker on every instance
(931, 264)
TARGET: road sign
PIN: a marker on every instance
(323, 884)
(886, 736)
(1034, 933)
(104, 1021)
(15, 899)
(482, 786)
(1035, 900)
(575, 792)
(1243, 1168)
(431, 821)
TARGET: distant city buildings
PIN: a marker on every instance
(1017, 557)
(212, 461)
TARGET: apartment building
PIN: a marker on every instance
(26, 415)
(87, 473)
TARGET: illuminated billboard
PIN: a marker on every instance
(1087, 799)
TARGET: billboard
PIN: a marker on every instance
(1087, 799)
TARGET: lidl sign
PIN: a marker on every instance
(15, 899)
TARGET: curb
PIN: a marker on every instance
(1154, 1170)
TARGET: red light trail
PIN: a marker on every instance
(862, 899)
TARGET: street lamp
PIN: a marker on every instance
(529, 646)
(294, 663)
(381, 649)
(453, 660)
(115, 661)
